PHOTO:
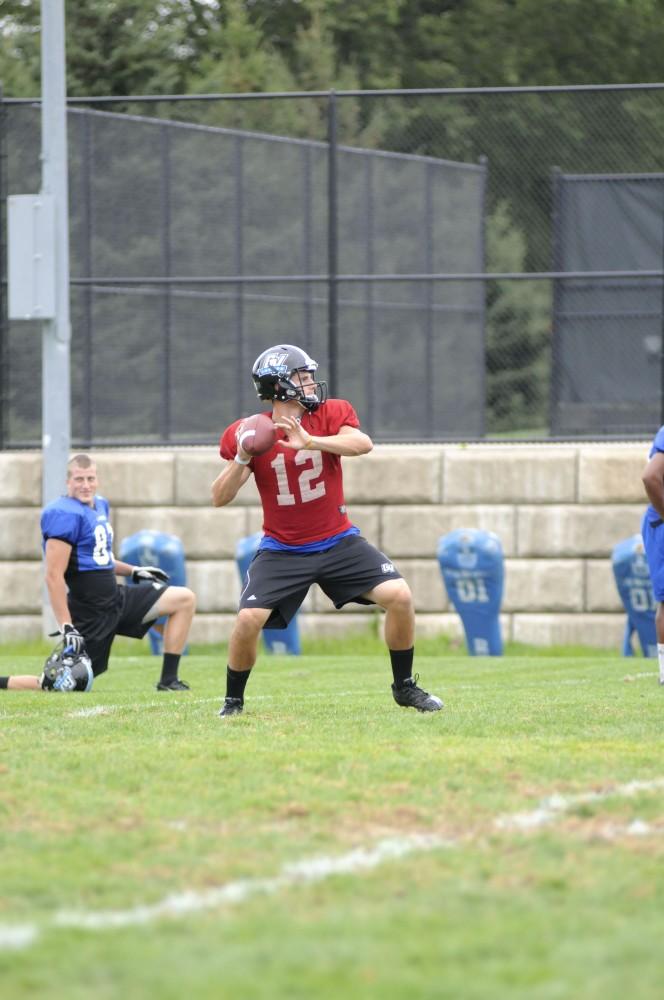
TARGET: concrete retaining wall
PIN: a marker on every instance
(558, 509)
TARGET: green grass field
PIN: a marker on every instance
(328, 844)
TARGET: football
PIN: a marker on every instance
(257, 434)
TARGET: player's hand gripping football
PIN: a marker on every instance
(296, 436)
(149, 574)
(243, 455)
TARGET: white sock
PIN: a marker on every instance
(660, 657)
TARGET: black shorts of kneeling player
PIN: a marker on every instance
(126, 618)
(281, 580)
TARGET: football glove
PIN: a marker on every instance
(71, 638)
(149, 574)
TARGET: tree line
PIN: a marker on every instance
(121, 47)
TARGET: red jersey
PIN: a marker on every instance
(301, 491)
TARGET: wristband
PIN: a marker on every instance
(242, 461)
(307, 443)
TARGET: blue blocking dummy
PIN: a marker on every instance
(275, 640)
(630, 569)
(155, 548)
(472, 565)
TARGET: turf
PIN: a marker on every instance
(147, 845)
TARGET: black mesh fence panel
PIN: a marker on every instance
(607, 331)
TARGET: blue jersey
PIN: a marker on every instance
(90, 573)
(657, 445)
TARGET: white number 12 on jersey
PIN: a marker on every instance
(308, 491)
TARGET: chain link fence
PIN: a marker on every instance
(464, 264)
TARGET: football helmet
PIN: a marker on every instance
(67, 671)
(275, 375)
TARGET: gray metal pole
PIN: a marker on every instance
(332, 246)
(4, 310)
(56, 333)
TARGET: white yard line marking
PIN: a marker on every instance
(302, 872)
(316, 869)
(555, 805)
(637, 828)
(84, 713)
(184, 700)
(15, 938)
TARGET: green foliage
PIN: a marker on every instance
(488, 43)
(236, 59)
(145, 46)
(518, 356)
(116, 48)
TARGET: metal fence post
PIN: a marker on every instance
(332, 243)
(88, 345)
(240, 349)
(307, 247)
(556, 195)
(4, 320)
(165, 151)
(369, 323)
(429, 297)
(484, 163)
(56, 332)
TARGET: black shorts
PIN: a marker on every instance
(126, 618)
(281, 580)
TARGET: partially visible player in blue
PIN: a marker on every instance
(90, 607)
(652, 532)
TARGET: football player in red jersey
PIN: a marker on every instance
(308, 536)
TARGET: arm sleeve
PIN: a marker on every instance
(60, 524)
(227, 442)
(658, 443)
(346, 416)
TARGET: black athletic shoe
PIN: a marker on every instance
(176, 685)
(409, 695)
(232, 706)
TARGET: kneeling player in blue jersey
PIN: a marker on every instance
(91, 608)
